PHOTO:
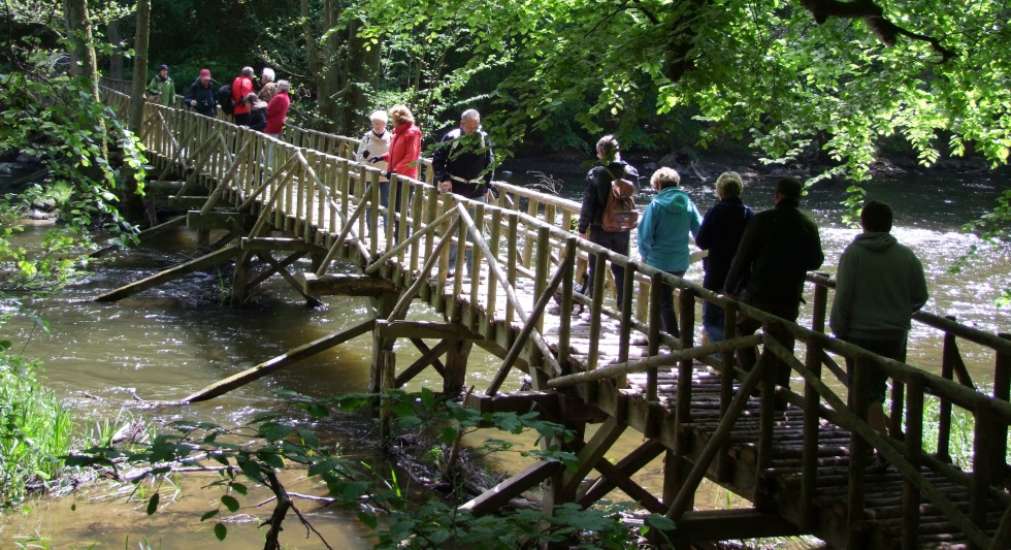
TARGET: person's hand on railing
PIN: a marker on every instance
(374, 160)
(446, 186)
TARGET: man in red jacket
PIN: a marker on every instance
(277, 109)
(242, 86)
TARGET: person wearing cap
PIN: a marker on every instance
(162, 87)
(778, 248)
(242, 86)
(267, 85)
(201, 96)
(464, 165)
(277, 110)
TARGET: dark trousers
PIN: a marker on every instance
(747, 326)
(618, 242)
(668, 316)
(243, 119)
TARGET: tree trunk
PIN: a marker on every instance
(330, 86)
(83, 43)
(116, 59)
(140, 48)
(133, 206)
(311, 53)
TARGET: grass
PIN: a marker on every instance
(35, 429)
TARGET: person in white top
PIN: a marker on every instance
(372, 150)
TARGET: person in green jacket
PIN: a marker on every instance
(162, 87)
(665, 231)
(879, 285)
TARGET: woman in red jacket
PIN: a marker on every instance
(403, 156)
(405, 147)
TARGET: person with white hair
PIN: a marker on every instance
(720, 234)
(372, 150)
(464, 165)
(242, 86)
(267, 85)
(277, 109)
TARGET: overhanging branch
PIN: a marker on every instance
(887, 31)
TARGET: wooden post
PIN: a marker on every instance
(809, 467)
(596, 309)
(456, 366)
(1002, 391)
(727, 376)
(859, 450)
(948, 352)
(654, 333)
(767, 423)
(914, 452)
(984, 460)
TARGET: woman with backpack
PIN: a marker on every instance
(608, 212)
(666, 229)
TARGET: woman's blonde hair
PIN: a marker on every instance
(400, 114)
(729, 185)
(664, 178)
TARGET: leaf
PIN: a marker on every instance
(152, 503)
(220, 531)
(230, 502)
(209, 514)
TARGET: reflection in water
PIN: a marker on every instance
(170, 341)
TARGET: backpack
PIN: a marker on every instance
(225, 99)
(620, 213)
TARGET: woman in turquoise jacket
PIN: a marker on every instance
(665, 231)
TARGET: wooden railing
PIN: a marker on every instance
(309, 187)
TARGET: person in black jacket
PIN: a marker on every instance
(720, 234)
(777, 250)
(598, 187)
(201, 95)
(464, 165)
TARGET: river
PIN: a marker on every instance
(172, 340)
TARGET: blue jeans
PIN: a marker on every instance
(712, 321)
(668, 318)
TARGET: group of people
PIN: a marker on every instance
(261, 104)
(463, 161)
(762, 260)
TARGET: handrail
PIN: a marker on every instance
(529, 244)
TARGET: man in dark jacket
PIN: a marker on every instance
(777, 250)
(598, 188)
(720, 234)
(464, 165)
(201, 95)
(879, 285)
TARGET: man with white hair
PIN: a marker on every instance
(242, 86)
(267, 85)
(277, 109)
(464, 164)
(372, 150)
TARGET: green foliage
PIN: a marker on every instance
(399, 517)
(35, 429)
(53, 118)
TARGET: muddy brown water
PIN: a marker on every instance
(172, 340)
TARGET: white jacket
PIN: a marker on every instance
(372, 145)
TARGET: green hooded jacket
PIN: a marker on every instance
(164, 89)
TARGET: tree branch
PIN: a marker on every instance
(873, 15)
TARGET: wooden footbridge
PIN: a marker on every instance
(804, 467)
